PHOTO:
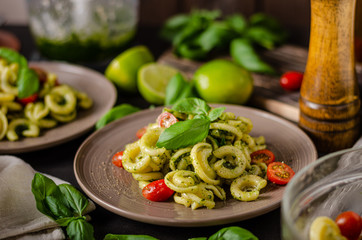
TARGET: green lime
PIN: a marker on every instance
(222, 81)
(123, 69)
(152, 81)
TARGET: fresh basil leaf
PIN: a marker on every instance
(57, 207)
(63, 222)
(116, 113)
(198, 238)
(77, 201)
(184, 133)
(243, 53)
(178, 88)
(128, 237)
(173, 26)
(80, 229)
(42, 187)
(174, 88)
(27, 83)
(264, 37)
(230, 233)
(217, 35)
(215, 113)
(13, 57)
(193, 106)
(237, 22)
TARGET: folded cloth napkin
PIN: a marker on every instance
(19, 217)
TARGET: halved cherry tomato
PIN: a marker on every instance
(157, 191)
(30, 99)
(291, 81)
(140, 132)
(166, 119)
(262, 156)
(279, 173)
(117, 159)
(350, 224)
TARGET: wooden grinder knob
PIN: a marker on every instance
(329, 97)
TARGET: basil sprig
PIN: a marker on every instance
(202, 34)
(189, 132)
(27, 81)
(64, 204)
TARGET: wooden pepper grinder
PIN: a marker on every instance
(329, 97)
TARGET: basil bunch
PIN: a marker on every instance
(27, 82)
(202, 34)
(189, 132)
(64, 204)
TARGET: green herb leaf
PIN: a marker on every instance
(194, 106)
(244, 54)
(230, 233)
(42, 187)
(215, 113)
(77, 201)
(27, 83)
(128, 237)
(184, 133)
(80, 229)
(116, 113)
(13, 57)
(237, 22)
(173, 26)
(57, 206)
(178, 88)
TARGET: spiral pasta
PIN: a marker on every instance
(200, 174)
(53, 104)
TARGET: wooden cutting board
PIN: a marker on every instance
(268, 94)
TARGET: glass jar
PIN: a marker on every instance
(82, 30)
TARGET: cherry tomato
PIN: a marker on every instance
(350, 224)
(166, 119)
(140, 132)
(262, 156)
(279, 173)
(30, 99)
(291, 81)
(117, 159)
(157, 191)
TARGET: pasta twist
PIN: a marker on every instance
(22, 127)
(246, 188)
(61, 100)
(232, 163)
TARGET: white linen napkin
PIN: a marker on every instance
(19, 217)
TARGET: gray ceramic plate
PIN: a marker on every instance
(83, 79)
(114, 188)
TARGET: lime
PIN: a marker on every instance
(123, 69)
(152, 81)
(222, 81)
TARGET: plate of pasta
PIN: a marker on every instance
(119, 190)
(70, 101)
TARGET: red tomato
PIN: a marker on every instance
(157, 191)
(140, 132)
(291, 81)
(30, 99)
(166, 119)
(117, 159)
(262, 156)
(350, 224)
(279, 173)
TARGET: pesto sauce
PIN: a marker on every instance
(75, 50)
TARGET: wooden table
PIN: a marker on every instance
(58, 161)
